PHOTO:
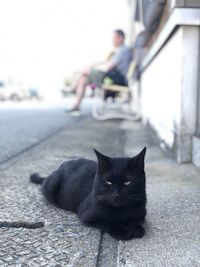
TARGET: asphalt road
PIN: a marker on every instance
(23, 125)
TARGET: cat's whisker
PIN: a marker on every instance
(136, 197)
(101, 198)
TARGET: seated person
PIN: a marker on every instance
(115, 67)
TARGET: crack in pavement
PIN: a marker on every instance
(21, 224)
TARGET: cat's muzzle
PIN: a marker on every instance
(115, 200)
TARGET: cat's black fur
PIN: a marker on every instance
(109, 194)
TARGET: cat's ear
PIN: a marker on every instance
(138, 160)
(103, 160)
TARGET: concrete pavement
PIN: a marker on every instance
(172, 223)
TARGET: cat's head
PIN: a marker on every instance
(120, 181)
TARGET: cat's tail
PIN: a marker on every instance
(36, 179)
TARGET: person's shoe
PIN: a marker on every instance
(75, 111)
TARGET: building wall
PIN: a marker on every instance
(160, 91)
(169, 90)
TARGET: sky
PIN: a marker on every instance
(43, 41)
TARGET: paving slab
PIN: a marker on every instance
(58, 246)
(172, 224)
(62, 240)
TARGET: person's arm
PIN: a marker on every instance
(114, 61)
(98, 64)
(105, 62)
(109, 66)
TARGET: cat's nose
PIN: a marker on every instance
(115, 197)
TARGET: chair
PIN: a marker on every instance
(122, 107)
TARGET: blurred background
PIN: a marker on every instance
(44, 42)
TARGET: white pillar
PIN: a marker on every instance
(189, 91)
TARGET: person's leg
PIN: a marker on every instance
(92, 76)
(88, 76)
(80, 90)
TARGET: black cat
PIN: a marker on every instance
(109, 194)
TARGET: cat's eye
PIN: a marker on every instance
(127, 183)
(108, 182)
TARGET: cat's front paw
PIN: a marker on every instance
(89, 218)
(138, 231)
(129, 232)
(123, 235)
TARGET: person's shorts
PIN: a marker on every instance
(96, 77)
